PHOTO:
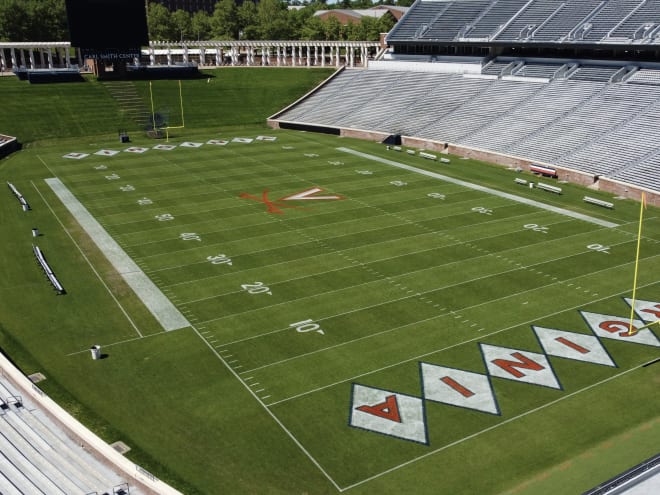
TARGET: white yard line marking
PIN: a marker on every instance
(267, 410)
(160, 307)
(488, 190)
(443, 349)
(125, 313)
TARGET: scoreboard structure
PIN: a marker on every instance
(111, 32)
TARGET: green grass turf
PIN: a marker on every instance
(393, 277)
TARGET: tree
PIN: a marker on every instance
(248, 20)
(272, 18)
(201, 25)
(182, 23)
(14, 21)
(313, 29)
(159, 22)
(224, 21)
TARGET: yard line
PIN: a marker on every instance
(443, 349)
(448, 313)
(456, 242)
(380, 280)
(130, 320)
(268, 411)
(490, 428)
(487, 190)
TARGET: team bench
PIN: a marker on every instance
(598, 202)
(546, 187)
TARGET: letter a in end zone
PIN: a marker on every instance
(388, 413)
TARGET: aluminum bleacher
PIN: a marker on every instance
(529, 21)
(455, 19)
(645, 76)
(37, 457)
(646, 14)
(595, 73)
(607, 18)
(495, 19)
(585, 123)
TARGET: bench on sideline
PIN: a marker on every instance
(549, 188)
(47, 270)
(598, 202)
(19, 196)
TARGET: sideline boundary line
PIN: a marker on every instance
(488, 190)
(123, 310)
(169, 317)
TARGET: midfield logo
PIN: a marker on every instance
(277, 205)
(404, 417)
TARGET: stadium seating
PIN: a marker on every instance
(584, 124)
(542, 21)
(37, 457)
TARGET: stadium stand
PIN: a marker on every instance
(37, 457)
(573, 84)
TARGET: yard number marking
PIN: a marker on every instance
(220, 259)
(599, 248)
(127, 188)
(190, 236)
(436, 195)
(307, 326)
(398, 183)
(484, 211)
(257, 288)
(112, 177)
(144, 201)
(364, 172)
(100, 167)
(536, 228)
(165, 217)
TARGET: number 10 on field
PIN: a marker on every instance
(307, 326)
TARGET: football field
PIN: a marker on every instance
(389, 321)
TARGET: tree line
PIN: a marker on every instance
(45, 20)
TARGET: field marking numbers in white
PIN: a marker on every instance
(436, 195)
(165, 217)
(144, 201)
(100, 167)
(599, 247)
(112, 177)
(307, 326)
(364, 172)
(481, 209)
(190, 236)
(127, 188)
(257, 288)
(536, 228)
(220, 259)
(398, 183)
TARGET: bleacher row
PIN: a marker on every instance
(600, 128)
(564, 21)
(36, 456)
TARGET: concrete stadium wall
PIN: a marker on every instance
(564, 174)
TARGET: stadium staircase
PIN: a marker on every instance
(129, 101)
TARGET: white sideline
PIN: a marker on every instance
(156, 302)
(87, 437)
(488, 190)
